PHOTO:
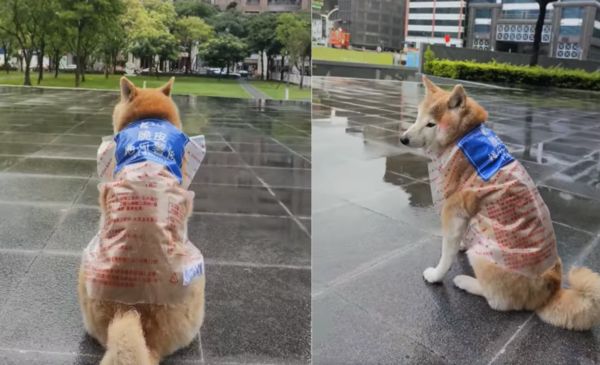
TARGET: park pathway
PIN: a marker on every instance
(256, 94)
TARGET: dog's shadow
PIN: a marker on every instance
(89, 352)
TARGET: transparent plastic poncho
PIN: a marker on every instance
(512, 226)
(141, 253)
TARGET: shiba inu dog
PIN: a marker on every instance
(133, 324)
(492, 208)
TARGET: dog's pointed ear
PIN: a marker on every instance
(128, 89)
(430, 87)
(458, 97)
(168, 87)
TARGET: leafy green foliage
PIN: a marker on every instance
(195, 8)
(223, 51)
(293, 31)
(510, 74)
(230, 22)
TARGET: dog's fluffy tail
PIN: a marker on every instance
(126, 344)
(576, 308)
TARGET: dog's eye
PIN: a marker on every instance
(430, 124)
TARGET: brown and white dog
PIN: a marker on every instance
(523, 271)
(141, 334)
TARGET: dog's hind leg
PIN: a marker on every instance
(468, 284)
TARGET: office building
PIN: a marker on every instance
(373, 23)
(260, 6)
(571, 28)
(434, 22)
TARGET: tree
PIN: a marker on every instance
(224, 51)
(113, 40)
(230, 22)
(195, 8)
(539, 27)
(293, 31)
(148, 26)
(49, 23)
(261, 37)
(86, 18)
(190, 31)
(19, 19)
(6, 44)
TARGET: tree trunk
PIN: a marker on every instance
(263, 76)
(282, 67)
(56, 63)
(188, 61)
(6, 56)
(537, 37)
(41, 61)
(27, 56)
(83, 67)
(78, 55)
(301, 72)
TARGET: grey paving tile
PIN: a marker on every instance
(75, 230)
(283, 177)
(455, 325)
(344, 333)
(31, 188)
(256, 314)
(220, 174)
(349, 237)
(13, 267)
(43, 314)
(296, 200)
(573, 210)
(27, 227)
(235, 199)
(251, 240)
(559, 346)
(54, 166)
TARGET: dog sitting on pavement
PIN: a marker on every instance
(491, 207)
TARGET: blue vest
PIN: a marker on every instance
(485, 151)
(155, 140)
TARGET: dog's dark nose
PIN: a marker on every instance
(404, 140)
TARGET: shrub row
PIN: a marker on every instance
(494, 72)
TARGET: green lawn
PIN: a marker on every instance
(276, 90)
(345, 55)
(187, 85)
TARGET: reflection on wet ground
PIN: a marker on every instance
(375, 231)
(251, 221)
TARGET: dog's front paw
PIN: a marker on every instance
(432, 275)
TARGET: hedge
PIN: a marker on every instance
(495, 72)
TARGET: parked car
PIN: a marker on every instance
(71, 67)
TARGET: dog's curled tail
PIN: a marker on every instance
(126, 344)
(578, 307)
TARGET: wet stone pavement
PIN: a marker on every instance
(375, 231)
(251, 221)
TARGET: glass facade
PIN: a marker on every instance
(570, 30)
(482, 28)
(483, 13)
(572, 12)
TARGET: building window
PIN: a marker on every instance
(482, 28)
(572, 12)
(483, 13)
(430, 21)
(570, 30)
(520, 14)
